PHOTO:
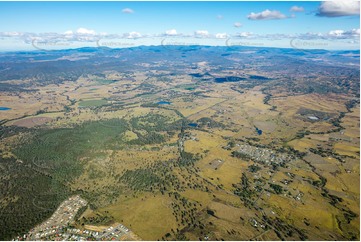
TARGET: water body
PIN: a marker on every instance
(163, 103)
(4, 108)
(259, 131)
(193, 125)
(196, 74)
(229, 79)
(258, 77)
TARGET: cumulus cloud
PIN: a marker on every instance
(85, 31)
(297, 9)
(266, 15)
(237, 24)
(201, 33)
(127, 10)
(221, 35)
(171, 32)
(69, 32)
(338, 9)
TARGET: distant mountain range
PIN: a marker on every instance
(55, 66)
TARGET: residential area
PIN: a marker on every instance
(60, 226)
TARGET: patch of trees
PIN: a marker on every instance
(97, 219)
(30, 196)
(7, 131)
(149, 105)
(142, 179)
(290, 150)
(149, 138)
(285, 230)
(266, 99)
(351, 104)
(244, 191)
(241, 155)
(80, 212)
(319, 183)
(254, 168)
(211, 212)
(187, 159)
(329, 152)
(302, 133)
(210, 123)
(154, 123)
(276, 188)
(333, 198)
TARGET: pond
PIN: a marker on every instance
(259, 131)
(163, 103)
(4, 108)
(193, 125)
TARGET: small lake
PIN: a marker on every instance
(193, 125)
(163, 103)
(4, 108)
(259, 131)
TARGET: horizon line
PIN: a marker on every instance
(37, 49)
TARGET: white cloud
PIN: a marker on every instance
(201, 33)
(338, 33)
(338, 8)
(266, 15)
(133, 35)
(84, 31)
(127, 10)
(171, 32)
(11, 34)
(245, 34)
(86, 35)
(221, 35)
(237, 24)
(297, 9)
(356, 32)
(69, 32)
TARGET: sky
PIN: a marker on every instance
(287, 24)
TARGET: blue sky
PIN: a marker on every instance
(75, 24)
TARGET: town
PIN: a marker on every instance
(60, 226)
